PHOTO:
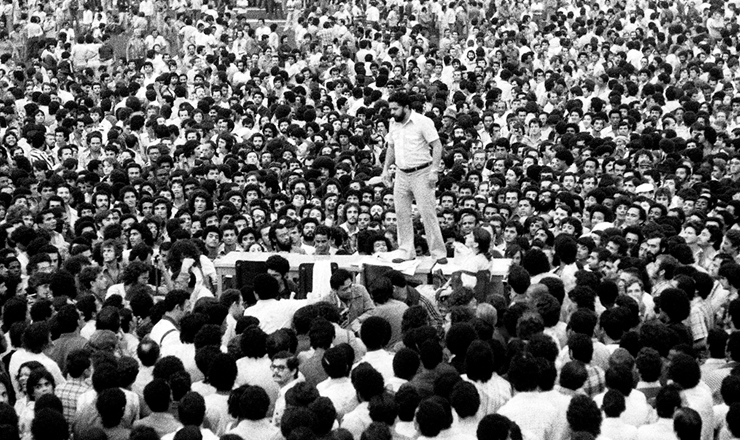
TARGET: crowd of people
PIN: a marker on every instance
(592, 144)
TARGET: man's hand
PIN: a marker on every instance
(433, 177)
(386, 178)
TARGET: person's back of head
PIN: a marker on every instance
(368, 382)
(687, 424)
(253, 403)
(148, 352)
(408, 400)
(49, 424)
(191, 409)
(335, 363)
(266, 287)
(581, 347)
(78, 361)
(498, 427)
(465, 399)
(111, 405)
(222, 372)
(375, 333)
(432, 416)
(158, 395)
(383, 408)
(573, 375)
(405, 363)
(584, 415)
(613, 404)
(667, 401)
(685, 371)
(321, 334)
(524, 373)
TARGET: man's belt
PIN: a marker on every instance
(414, 169)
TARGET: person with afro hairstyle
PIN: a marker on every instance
(408, 400)
(111, 405)
(221, 375)
(493, 390)
(613, 427)
(524, 375)
(251, 412)
(337, 362)
(667, 402)
(434, 419)
(254, 367)
(498, 427)
(584, 415)
(368, 383)
(375, 334)
(685, 372)
(465, 400)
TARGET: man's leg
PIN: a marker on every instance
(402, 197)
(426, 203)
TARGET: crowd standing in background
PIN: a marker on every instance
(594, 144)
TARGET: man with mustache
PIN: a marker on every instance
(414, 147)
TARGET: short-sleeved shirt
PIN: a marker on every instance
(411, 140)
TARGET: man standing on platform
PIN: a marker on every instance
(415, 149)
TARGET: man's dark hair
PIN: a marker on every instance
(191, 409)
(405, 363)
(175, 298)
(266, 287)
(667, 401)
(77, 362)
(222, 372)
(375, 333)
(687, 424)
(465, 399)
(685, 371)
(368, 382)
(524, 373)
(49, 424)
(584, 415)
(111, 405)
(613, 404)
(157, 395)
(498, 427)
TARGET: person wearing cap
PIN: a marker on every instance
(410, 139)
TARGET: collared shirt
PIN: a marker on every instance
(637, 410)
(357, 420)
(523, 406)
(164, 423)
(382, 361)
(411, 140)
(698, 320)
(256, 371)
(699, 399)
(660, 430)
(255, 430)
(493, 394)
(596, 381)
(68, 393)
(165, 332)
(341, 392)
(63, 346)
(217, 417)
(274, 314)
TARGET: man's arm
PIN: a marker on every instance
(436, 154)
(390, 159)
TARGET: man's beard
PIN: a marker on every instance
(308, 236)
(401, 117)
(285, 247)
